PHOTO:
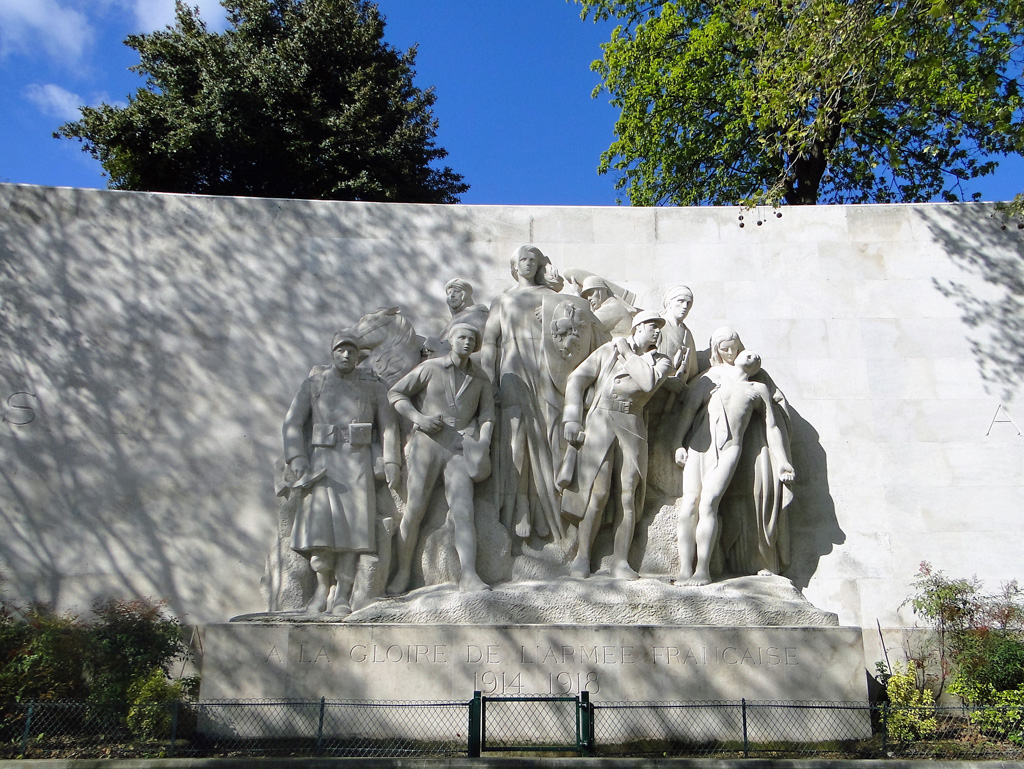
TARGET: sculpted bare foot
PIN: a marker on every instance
(523, 526)
(623, 571)
(341, 610)
(472, 584)
(682, 576)
(398, 583)
(541, 527)
(696, 581)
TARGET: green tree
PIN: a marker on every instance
(296, 99)
(805, 101)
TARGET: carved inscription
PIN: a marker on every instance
(20, 409)
(503, 669)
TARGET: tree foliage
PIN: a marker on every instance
(296, 99)
(979, 636)
(805, 101)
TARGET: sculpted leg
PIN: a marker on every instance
(714, 487)
(322, 563)
(629, 481)
(458, 490)
(580, 566)
(686, 526)
(345, 573)
(422, 476)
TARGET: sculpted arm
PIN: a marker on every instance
(390, 436)
(491, 339)
(696, 398)
(401, 396)
(776, 441)
(579, 380)
(485, 412)
(295, 451)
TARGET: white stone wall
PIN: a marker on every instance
(160, 338)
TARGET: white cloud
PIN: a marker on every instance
(28, 25)
(54, 101)
(156, 14)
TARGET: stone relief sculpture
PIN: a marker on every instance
(575, 425)
(612, 436)
(328, 433)
(755, 516)
(459, 298)
(533, 339)
(450, 403)
(717, 412)
(615, 315)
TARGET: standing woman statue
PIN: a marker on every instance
(533, 339)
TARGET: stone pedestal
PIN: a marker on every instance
(648, 663)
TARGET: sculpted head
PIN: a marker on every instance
(527, 263)
(647, 329)
(344, 353)
(749, 361)
(464, 339)
(678, 301)
(595, 291)
(725, 346)
(458, 294)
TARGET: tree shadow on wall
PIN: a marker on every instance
(988, 247)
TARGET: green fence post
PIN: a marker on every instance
(475, 725)
(174, 728)
(746, 746)
(28, 728)
(320, 726)
(585, 720)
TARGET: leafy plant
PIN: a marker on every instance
(153, 698)
(911, 712)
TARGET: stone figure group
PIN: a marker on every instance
(540, 409)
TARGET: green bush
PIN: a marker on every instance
(152, 696)
(42, 655)
(49, 656)
(128, 640)
(979, 636)
(1003, 717)
(911, 711)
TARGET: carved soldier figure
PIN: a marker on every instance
(327, 435)
(616, 315)
(675, 336)
(719, 410)
(459, 298)
(450, 402)
(624, 373)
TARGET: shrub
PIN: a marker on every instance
(911, 713)
(152, 696)
(128, 641)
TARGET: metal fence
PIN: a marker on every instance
(558, 725)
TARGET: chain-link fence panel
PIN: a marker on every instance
(527, 723)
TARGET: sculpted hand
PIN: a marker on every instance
(681, 456)
(573, 432)
(430, 424)
(392, 472)
(786, 473)
(623, 347)
(574, 287)
(299, 466)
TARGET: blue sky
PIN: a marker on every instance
(513, 82)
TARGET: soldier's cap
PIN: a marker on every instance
(476, 333)
(647, 316)
(592, 283)
(677, 291)
(459, 283)
(343, 337)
